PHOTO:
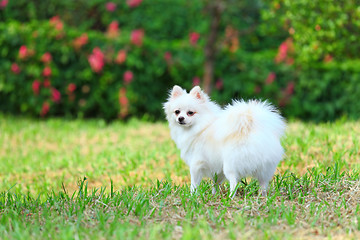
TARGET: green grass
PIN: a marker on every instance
(84, 179)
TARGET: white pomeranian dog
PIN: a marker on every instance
(241, 140)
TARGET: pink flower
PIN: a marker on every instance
(47, 72)
(285, 48)
(113, 29)
(96, 60)
(36, 87)
(282, 53)
(15, 68)
(98, 53)
(23, 52)
(120, 57)
(55, 95)
(46, 83)
(167, 56)
(110, 6)
(133, 3)
(196, 81)
(46, 58)
(128, 77)
(290, 88)
(45, 109)
(71, 88)
(80, 41)
(57, 23)
(194, 37)
(96, 64)
(3, 3)
(122, 97)
(137, 37)
(219, 84)
(270, 78)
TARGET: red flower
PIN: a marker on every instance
(137, 37)
(122, 97)
(110, 6)
(96, 60)
(57, 23)
(290, 88)
(98, 53)
(80, 41)
(47, 83)
(15, 68)
(219, 84)
(285, 48)
(23, 52)
(270, 78)
(328, 58)
(167, 57)
(47, 72)
(128, 77)
(55, 95)
(45, 109)
(71, 88)
(113, 29)
(194, 37)
(96, 64)
(46, 58)
(257, 89)
(36, 87)
(3, 3)
(282, 53)
(196, 81)
(133, 3)
(120, 57)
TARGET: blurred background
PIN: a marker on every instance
(118, 59)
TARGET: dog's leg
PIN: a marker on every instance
(218, 179)
(263, 188)
(231, 176)
(233, 182)
(196, 177)
(264, 177)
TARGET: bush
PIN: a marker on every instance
(119, 61)
(67, 84)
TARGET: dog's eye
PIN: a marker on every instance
(190, 113)
(177, 112)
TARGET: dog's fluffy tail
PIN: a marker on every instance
(242, 118)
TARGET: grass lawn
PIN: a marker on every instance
(82, 179)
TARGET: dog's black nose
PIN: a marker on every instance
(181, 119)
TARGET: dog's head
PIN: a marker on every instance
(184, 108)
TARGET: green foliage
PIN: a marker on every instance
(324, 28)
(299, 55)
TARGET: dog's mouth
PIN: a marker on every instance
(182, 123)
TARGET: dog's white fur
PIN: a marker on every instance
(241, 140)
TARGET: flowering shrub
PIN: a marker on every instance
(82, 74)
(109, 60)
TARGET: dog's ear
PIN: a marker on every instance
(176, 91)
(198, 93)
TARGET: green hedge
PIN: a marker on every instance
(97, 94)
(265, 64)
